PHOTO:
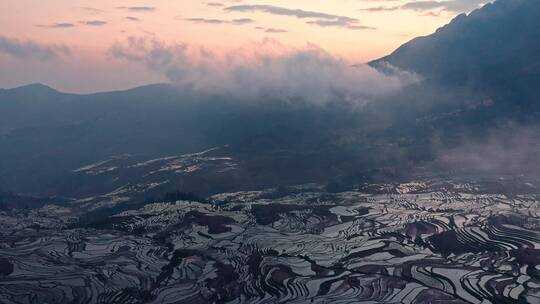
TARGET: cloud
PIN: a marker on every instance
(204, 20)
(271, 30)
(241, 21)
(59, 25)
(94, 23)
(274, 30)
(432, 14)
(62, 25)
(29, 49)
(138, 8)
(456, 6)
(215, 4)
(266, 69)
(320, 19)
(131, 18)
(453, 6)
(381, 9)
(340, 23)
(285, 12)
(508, 149)
(423, 5)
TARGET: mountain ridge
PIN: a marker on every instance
(494, 48)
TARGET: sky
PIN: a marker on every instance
(85, 46)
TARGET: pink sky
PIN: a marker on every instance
(67, 43)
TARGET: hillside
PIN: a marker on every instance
(494, 49)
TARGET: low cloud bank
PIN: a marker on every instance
(29, 49)
(508, 150)
(265, 69)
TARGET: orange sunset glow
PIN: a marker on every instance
(80, 33)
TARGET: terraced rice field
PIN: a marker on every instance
(408, 243)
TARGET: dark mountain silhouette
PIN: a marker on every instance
(45, 137)
(494, 49)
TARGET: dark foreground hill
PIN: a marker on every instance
(477, 104)
(46, 137)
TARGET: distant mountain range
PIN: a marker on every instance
(46, 135)
(481, 75)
